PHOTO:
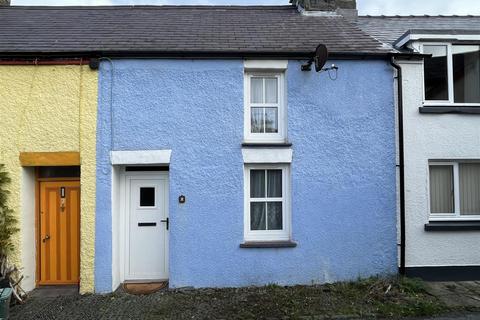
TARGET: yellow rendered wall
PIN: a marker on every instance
(49, 109)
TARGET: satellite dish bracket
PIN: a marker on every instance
(320, 58)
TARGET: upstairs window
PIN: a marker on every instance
(454, 190)
(264, 107)
(452, 74)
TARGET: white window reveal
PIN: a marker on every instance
(267, 211)
(264, 107)
(454, 190)
(452, 74)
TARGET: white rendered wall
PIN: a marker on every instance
(28, 228)
(433, 136)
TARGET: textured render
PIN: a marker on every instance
(343, 169)
(444, 137)
(40, 112)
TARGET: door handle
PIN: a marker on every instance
(47, 237)
(167, 221)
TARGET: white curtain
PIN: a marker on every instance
(257, 120)
(466, 69)
(472, 76)
(274, 187)
(257, 183)
(266, 215)
(257, 216)
(256, 89)
(258, 219)
(271, 90)
(274, 215)
(469, 188)
(441, 189)
(271, 122)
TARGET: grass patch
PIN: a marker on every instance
(374, 297)
(394, 297)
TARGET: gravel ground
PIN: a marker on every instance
(364, 299)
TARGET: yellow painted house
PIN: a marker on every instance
(47, 142)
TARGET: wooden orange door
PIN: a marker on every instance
(59, 232)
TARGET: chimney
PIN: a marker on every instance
(4, 3)
(346, 8)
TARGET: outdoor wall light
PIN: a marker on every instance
(181, 199)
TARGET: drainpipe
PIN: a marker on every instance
(401, 165)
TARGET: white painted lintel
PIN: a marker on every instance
(140, 157)
(267, 155)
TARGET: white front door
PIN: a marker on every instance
(146, 241)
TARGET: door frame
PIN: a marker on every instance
(124, 208)
(38, 241)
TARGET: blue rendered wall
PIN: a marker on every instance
(343, 170)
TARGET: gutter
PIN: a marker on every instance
(401, 164)
(47, 62)
(300, 55)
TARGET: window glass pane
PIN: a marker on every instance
(436, 73)
(256, 88)
(257, 118)
(147, 197)
(274, 186)
(257, 216)
(466, 73)
(271, 120)
(275, 216)
(59, 172)
(469, 188)
(271, 90)
(257, 183)
(441, 189)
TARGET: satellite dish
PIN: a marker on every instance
(321, 57)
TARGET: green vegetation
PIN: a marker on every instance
(366, 298)
(8, 223)
(374, 298)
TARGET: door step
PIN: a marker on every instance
(54, 291)
(138, 288)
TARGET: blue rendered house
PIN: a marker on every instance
(221, 163)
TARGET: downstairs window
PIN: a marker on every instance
(454, 190)
(267, 212)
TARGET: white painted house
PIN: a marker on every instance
(439, 112)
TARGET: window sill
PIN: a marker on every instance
(452, 226)
(266, 144)
(268, 244)
(452, 109)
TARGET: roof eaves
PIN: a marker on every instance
(437, 35)
(160, 7)
(192, 54)
(418, 16)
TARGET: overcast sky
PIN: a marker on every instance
(374, 7)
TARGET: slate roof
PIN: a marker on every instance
(178, 30)
(389, 28)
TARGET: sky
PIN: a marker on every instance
(373, 7)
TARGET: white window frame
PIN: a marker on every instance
(268, 235)
(456, 198)
(280, 136)
(451, 92)
(139, 206)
